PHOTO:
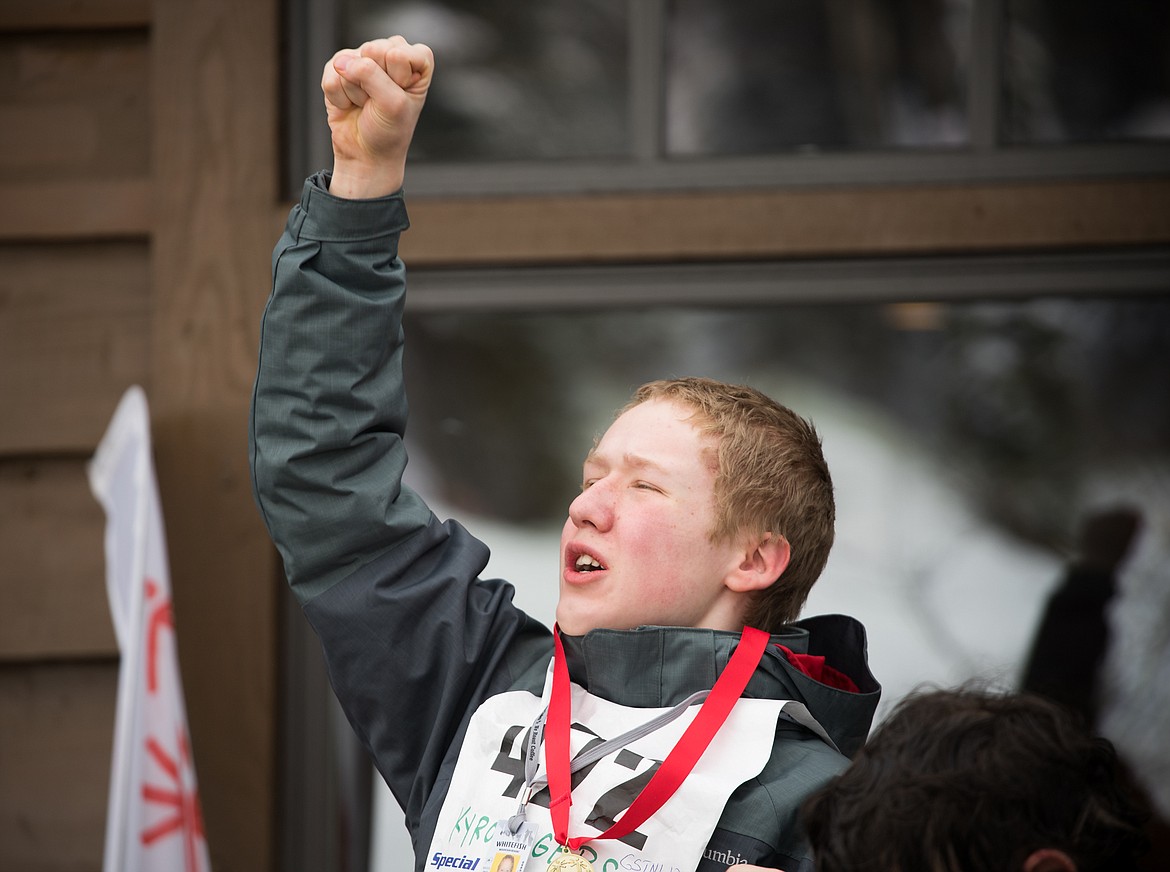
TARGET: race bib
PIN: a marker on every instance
(488, 786)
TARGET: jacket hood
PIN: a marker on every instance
(656, 667)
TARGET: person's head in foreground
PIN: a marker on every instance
(972, 781)
(693, 503)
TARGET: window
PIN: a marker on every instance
(578, 95)
(1086, 71)
(762, 77)
(519, 81)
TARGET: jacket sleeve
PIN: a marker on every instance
(413, 640)
(329, 408)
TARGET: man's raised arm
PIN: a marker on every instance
(329, 409)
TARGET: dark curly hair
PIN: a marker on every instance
(975, 781)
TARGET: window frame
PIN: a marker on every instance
(313, 32)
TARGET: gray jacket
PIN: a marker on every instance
(414, 639)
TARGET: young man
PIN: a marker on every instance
(703, 507)
(969, 781)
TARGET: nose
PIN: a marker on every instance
(593, 507)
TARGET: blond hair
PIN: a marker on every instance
(771, 478)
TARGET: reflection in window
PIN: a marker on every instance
(967, 442)
(552, 79)
(1087, 71)
(1028, 405)
(622, 81)
(516, 80)
(757, 76)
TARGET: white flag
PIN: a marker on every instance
(153, 822)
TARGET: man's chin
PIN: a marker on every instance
(570, 624)
(573, 621)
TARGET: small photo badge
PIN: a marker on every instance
(511, 849)
(505, 861)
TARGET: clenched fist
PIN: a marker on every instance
(373, 97)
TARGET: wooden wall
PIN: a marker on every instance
(138, 155)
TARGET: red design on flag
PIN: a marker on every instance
(160, 616)
(179, 798)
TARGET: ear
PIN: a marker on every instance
(764, 558)
(1049, 860)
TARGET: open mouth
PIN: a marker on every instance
(587, 563)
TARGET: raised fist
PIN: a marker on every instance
(373, 97)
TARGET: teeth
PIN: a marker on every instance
(585, 561)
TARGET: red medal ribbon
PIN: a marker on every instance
(678, 763)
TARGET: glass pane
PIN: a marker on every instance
(1087, 71)
(967, 442)
(516, 80)
(757, 76)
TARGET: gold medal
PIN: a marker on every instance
(570, 862)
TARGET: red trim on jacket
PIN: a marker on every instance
(817, 669)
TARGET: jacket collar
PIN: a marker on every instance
(656, 667)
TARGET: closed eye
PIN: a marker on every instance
(645, 485)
